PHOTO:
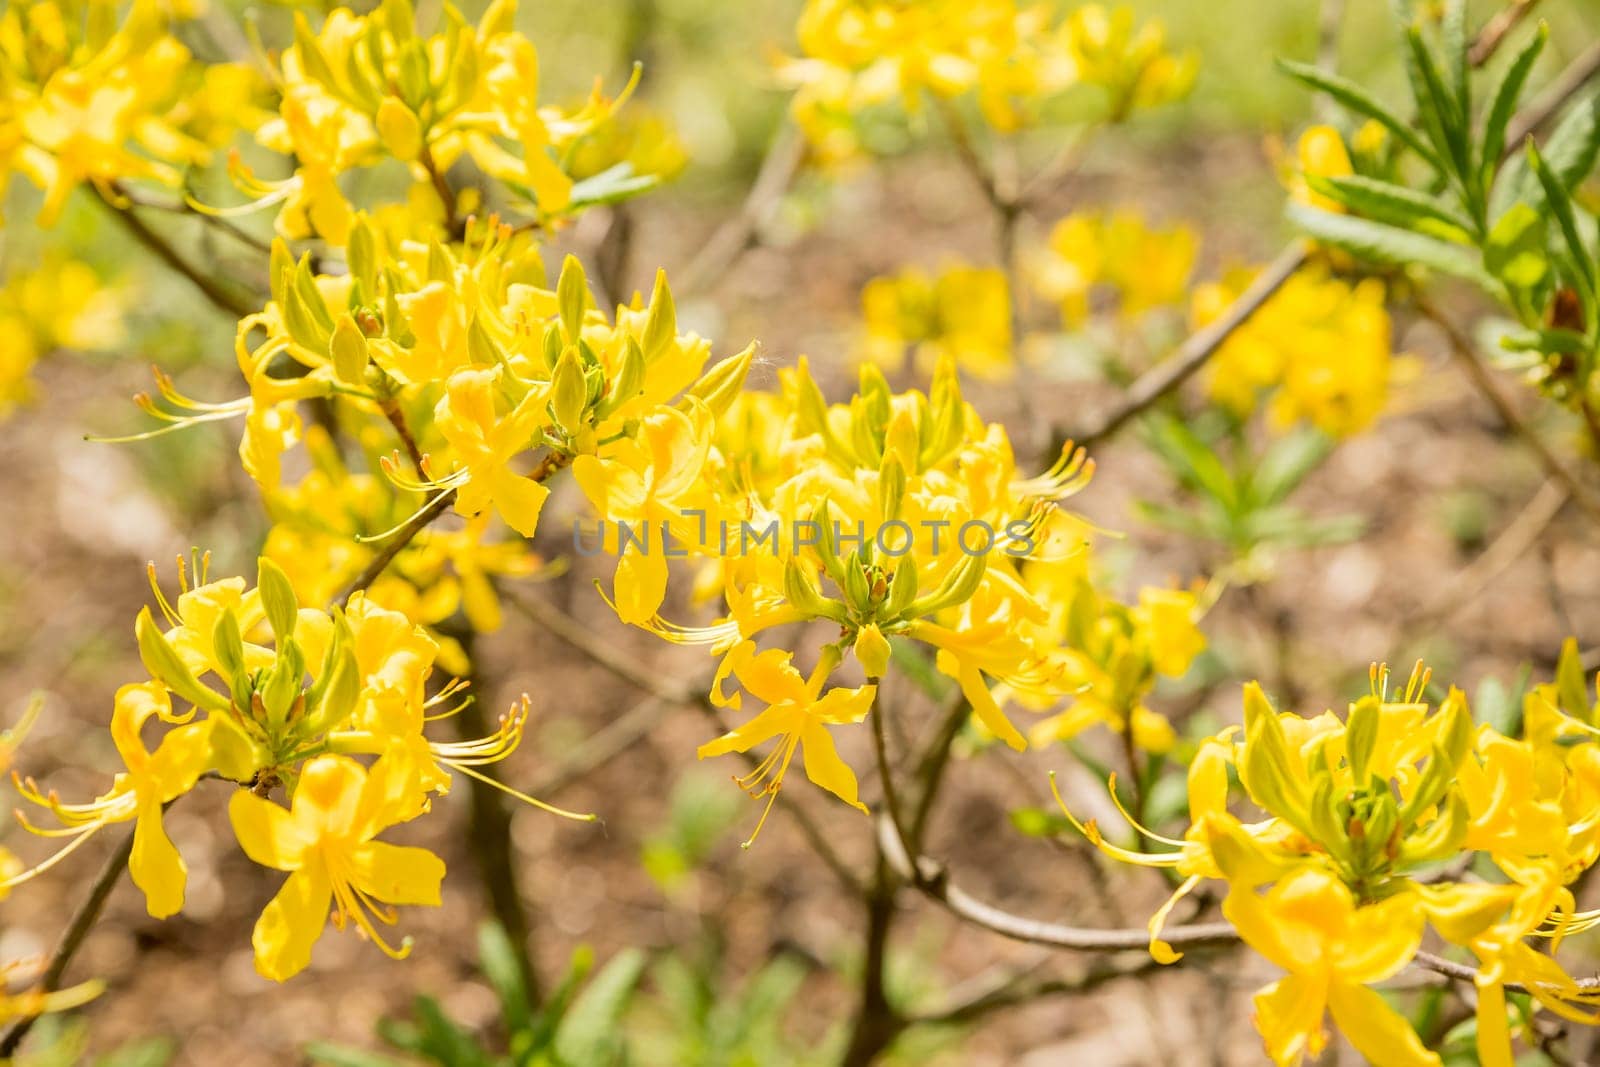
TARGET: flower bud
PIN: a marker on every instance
(872, 649)
(399, 129)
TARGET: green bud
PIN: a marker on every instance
(629, 381)
(722, 384)
(661, 326)
(891, 486)
(902, 591)
(348, 346)
(166, 667)
(800, 588)
(569, 393)
(277, 598)
(1361, 734)
(957, 588)
(572, 294)
(229, 647)
(399, 129)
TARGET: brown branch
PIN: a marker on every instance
(581, 638)
(1466, 354)
(1013, 991)
(1494, 32)
(393, 547)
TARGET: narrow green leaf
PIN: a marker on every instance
(1388, 202)
(1506, 96)
(1357, 99)
(1559, 201)
(1379, 243)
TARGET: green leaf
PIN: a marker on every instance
(1387, 202)
(1506, 95)
(1379, 243)
(1514, 251)
(591, 1026)
(610, 186)
(1195, 464)
(503, 968)
(1559, 201)
(1547, 342)
(1569, 152)
(1287, 463)
(1437, 108)
(1039, 822)
(1357, 99)
(330, 1055)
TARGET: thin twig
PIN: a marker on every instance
(1489, 38)
(393, 547)
(1012, 991)
(72, 938)
(742, 231)
(1466, 353)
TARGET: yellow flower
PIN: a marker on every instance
(648, 483)
(1310, 925)
(1321, 152)
(1166, 619)
(1119, 253)
(483, 443)
(151, 780)
(964, 312)
(325, 840)
(799, 713)
(1322, 347)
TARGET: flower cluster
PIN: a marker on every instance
(1115, 255)
(253, 688)
(60, 304)
(89, 96)
(1369, 826)
(1321, 348)
(963, 312)
(364, 88)
(858, 55)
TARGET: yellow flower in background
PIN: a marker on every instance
(1167, 620)
(1117, 256)
(963, 312)
(1321, 152)
(60, 304)
(1129, 60)
(1321, 347)
(798, 712)
(326, 841)
(1310, 925)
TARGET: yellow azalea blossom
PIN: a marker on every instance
(799, 713)
(964, 312)
(1128, 60)
(648, 483)
(1310, 925)
(151, 780)
(326, 841)
(1321, 152)
(1119, 254)
(484, 443)
(1322, 348)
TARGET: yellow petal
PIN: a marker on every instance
(825, 768)
(290, 924)
(1289, 1017)
(1377, 1031)
(155, 866)
(397, 874)
(518, 501)
(641, 586)
(268, 834)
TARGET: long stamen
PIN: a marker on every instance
(525, 798)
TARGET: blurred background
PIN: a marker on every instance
(746, 954)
